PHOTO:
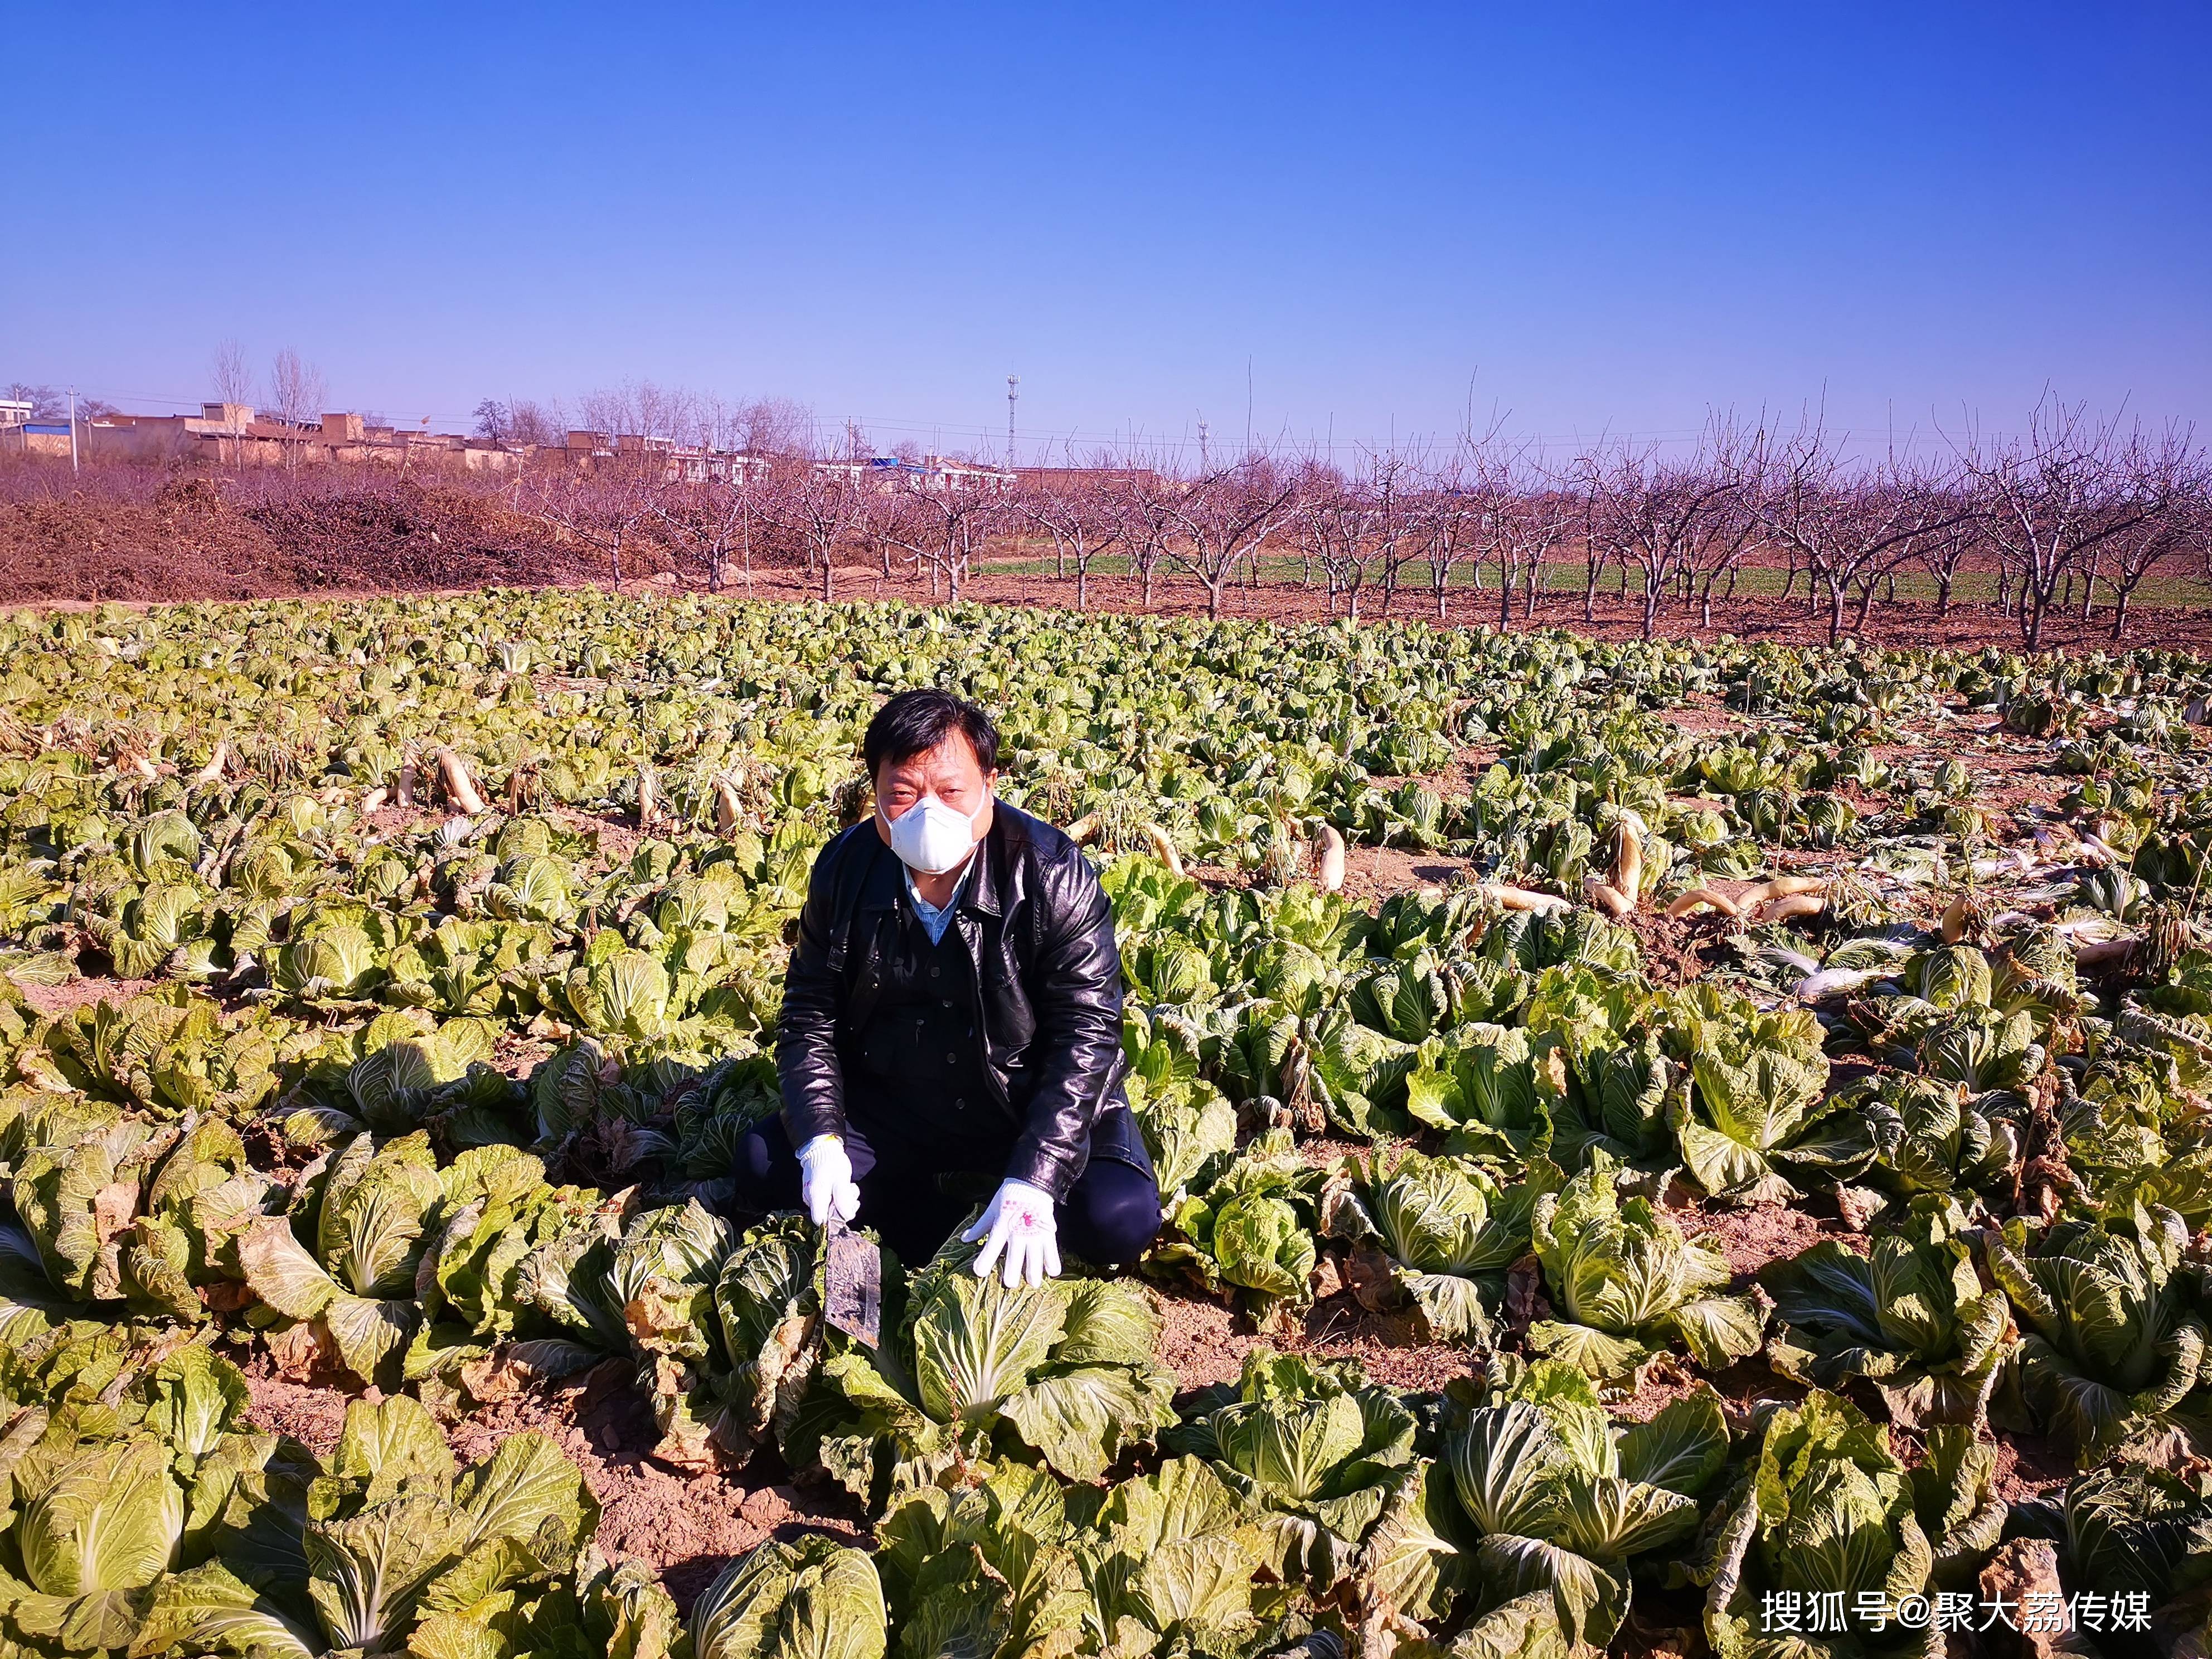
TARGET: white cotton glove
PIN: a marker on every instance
(826, 1181)
(1020, 1222)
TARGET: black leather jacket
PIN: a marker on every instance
(1040, 939)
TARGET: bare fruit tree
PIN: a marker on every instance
(942, 525)
(606, 510)
(1339, 524)
(2054, 499)
(1516, 512)
(1661, 518)
(1853, 526)
(1943, 553)
(1146, 504)
(1079, 517)
(2172, 472)
(817, 504)
(712, 518)
(1389, 483)
(1448, 518)
(1225, 517)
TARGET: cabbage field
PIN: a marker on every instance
(1669, 1147)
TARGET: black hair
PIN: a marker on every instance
(915, 722)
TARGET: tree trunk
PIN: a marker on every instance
(1081, 584)
(829, 589)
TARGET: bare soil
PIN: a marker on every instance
(1372, 874)
(1749, 1238)
(685, 1527)
(1204, 1342)
(55, 1000)
(204, 537)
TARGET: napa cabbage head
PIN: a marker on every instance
(1830, 1510)
(1625, 1281)
(2114, 1342)
(1312, 1442)
(1439, 1232)
(811, 1599)
(96, 1524)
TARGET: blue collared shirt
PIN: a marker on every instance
(935, 919)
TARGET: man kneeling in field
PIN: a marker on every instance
(952, 1022)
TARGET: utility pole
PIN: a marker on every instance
(1204, 463)
(1013, 385)
(72, 430)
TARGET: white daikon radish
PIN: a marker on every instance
(1605, 896)
(1332, 859)
(1702, 899)
(459, 788)
(1628, 859)
(1165, 849)
(1520, 898)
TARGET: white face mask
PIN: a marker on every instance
(930, 837)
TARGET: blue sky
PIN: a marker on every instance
(1586, 218)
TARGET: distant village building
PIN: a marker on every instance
(237, 434)
(21, 435)
(234, 435)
